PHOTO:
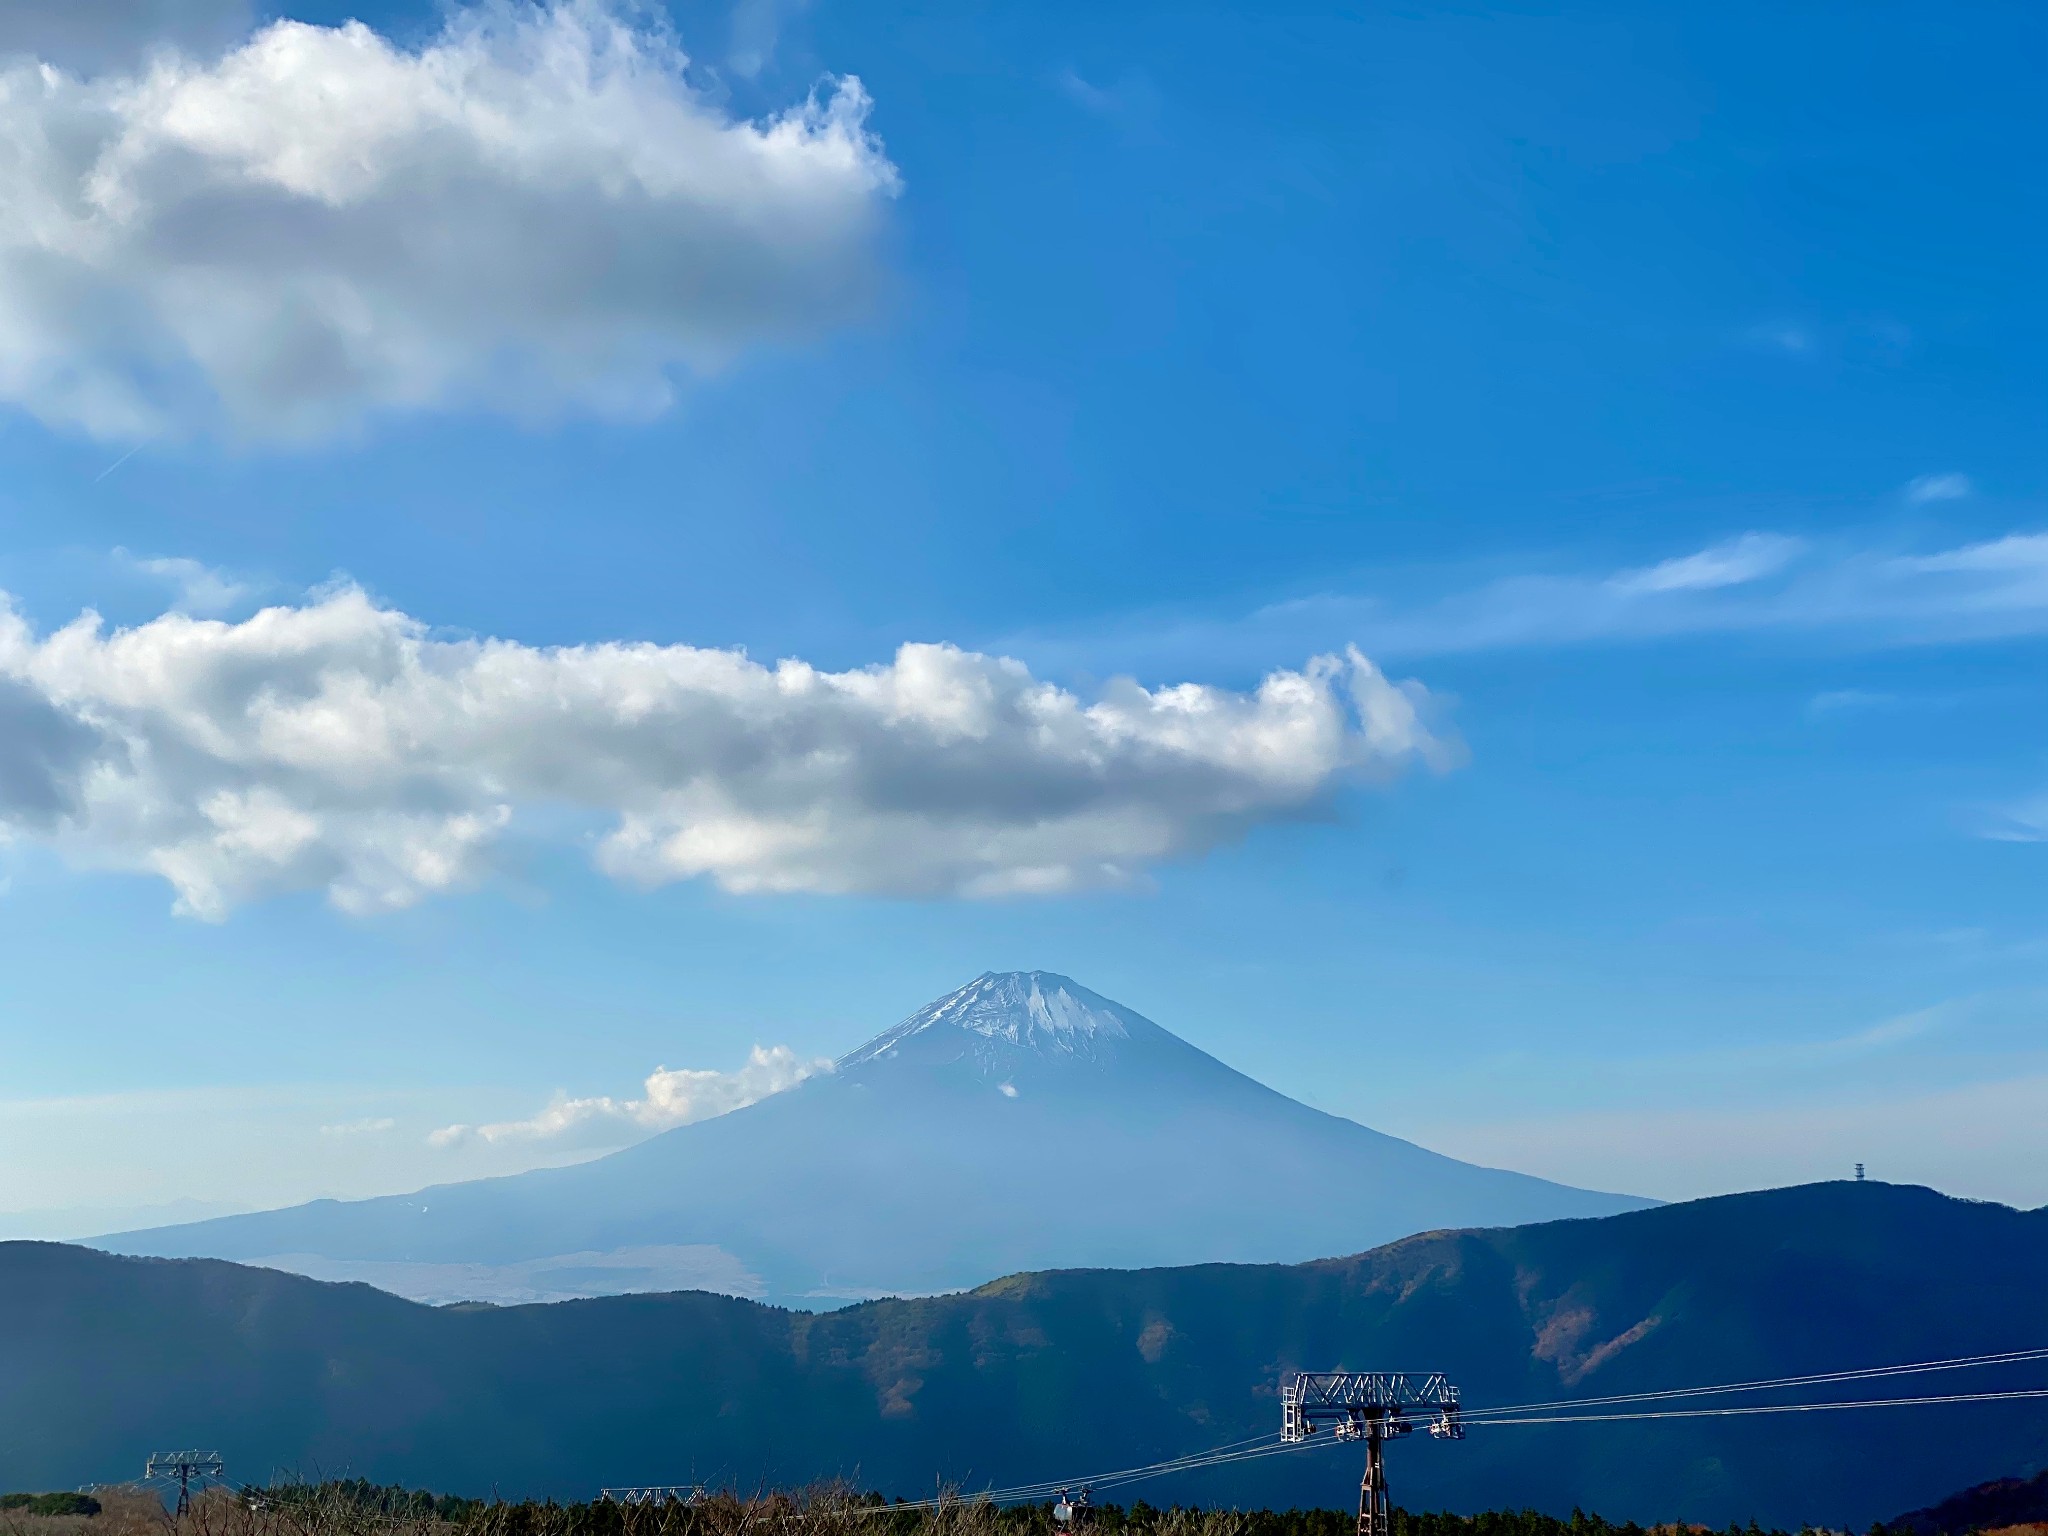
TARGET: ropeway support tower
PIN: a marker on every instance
(664, 1494)
(184, 1468)
(1372, 1406)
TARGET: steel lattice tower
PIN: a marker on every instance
(186, 1467)
(1371, 1406)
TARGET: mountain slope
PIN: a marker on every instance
(1057, 1375)
(1021, 1122)
(2002, 1503)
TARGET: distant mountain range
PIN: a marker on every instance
(2000, 1504)
(1023, 1122)
(1062, 1375)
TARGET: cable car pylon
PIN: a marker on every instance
(1371, 1406)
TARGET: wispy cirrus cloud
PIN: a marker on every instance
(1869, 339)
(2024, 821)
(1943, 487)
(1131, 102)
(1756, 582)
(1753, 582)
(1731, 584)
(1791, 337)
(199, 588)
(1740, 561)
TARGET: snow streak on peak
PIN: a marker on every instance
(1035, 1011)
(1026, 1007)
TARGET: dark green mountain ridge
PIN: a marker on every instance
(1066, 1373)
(2004, 1501)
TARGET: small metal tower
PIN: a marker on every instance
(186, 1468)
(668, 1493)
(1371, 1406)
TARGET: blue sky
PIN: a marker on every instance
(1661, 393)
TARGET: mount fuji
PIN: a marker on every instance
(1022, 1122)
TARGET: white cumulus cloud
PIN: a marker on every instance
(534, 212)
(670, 1098)
(338, 746)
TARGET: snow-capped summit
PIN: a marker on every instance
(1035, 1012)
(1022, 1121)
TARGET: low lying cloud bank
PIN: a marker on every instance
(670, 1099)
(535, 212)
(337, 746)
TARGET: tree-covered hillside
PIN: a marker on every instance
(1066, 1374)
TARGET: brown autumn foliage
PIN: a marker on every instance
(815, 1512)
(363, 1510)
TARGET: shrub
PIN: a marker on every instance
(51, 1503)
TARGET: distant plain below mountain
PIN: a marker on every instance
(1022, 1122)
(1064, 1375)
